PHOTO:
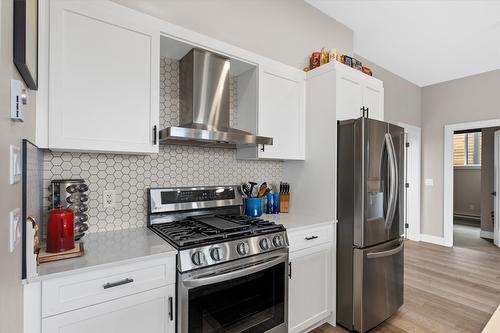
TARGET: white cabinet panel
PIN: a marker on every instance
(150, 311)
(103, 78)
(373, 99)
(354, 91)
(310, 287)
(349, 97)
(281, 113)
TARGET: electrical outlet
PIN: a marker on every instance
(14, 228)
(15, 164)
(109, 198)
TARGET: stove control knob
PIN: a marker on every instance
(264, 244)
(278, 241)
(242, 248)
(216, 253)
(197, 258)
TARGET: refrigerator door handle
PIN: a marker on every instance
(393, 181)
(387, 253)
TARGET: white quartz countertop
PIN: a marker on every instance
(294, 221)
(107, 249)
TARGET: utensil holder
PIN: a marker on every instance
(253, 207)
(284, 202)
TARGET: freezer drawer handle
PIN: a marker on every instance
(385, 253)
(311, 238)
(118, 283)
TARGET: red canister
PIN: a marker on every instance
(60, 230)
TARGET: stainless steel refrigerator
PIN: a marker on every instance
(370, 213)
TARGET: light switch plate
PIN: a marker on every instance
(18, 98)
(15, 164)
(429, 182)
(14, 228)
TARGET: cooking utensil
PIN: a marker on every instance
(262, 190)
(252, 186)
(245, 188)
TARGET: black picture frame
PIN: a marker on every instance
(26, 41)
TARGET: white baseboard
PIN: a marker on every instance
(432, 239)
(486, 234)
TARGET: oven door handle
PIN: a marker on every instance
(236, 273)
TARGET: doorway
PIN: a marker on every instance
(469, 184)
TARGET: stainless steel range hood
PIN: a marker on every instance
(204, 105)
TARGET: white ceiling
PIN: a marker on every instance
(425, 42)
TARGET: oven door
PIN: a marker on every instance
(246, 295)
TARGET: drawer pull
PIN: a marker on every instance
(118, 283)
(311, 238)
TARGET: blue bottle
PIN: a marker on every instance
(269, 203)
(276, 203)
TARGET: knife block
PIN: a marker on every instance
(284, 202)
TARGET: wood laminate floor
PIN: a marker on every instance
(447, 290)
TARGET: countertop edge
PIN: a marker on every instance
(49, 276)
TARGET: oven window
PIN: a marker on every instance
(254, 303)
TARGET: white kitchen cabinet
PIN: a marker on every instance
(150, 311)
(355, 91)
(309, 287)
(103, 87)
(347, 91)
(311, 277)
(281, 114)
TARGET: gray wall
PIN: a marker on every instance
(487, 177)
(402, 99)
(467, 191)
(10, 133)
(468, 99)
(283, 30)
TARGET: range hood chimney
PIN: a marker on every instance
(204, 105)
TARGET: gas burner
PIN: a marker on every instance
(206, 226)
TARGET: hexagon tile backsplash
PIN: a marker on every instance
(130, 175)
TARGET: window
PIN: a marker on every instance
(467, 149)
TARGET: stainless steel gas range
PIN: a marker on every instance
(232, 270)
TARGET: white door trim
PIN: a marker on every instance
(448, 172)
(496, 231)
(413, 176)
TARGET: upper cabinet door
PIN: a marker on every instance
(349, 96)
(103, 78)
(373, 99)
(356, 91)
(282, 113)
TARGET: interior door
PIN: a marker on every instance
(378, 283)
(496, 230)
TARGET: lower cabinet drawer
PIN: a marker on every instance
(150, 311)
(81, 290)
(315, 235)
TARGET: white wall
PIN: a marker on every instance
(10, 133)
(467, 191)
(402, 99)
(283, 30)
(468, 99)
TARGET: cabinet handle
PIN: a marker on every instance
(363, 110)
(263, 148)
(118, 283)
(311, 237)
(154, 135)
(171, 308)
(367, 112)
(290, 270)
